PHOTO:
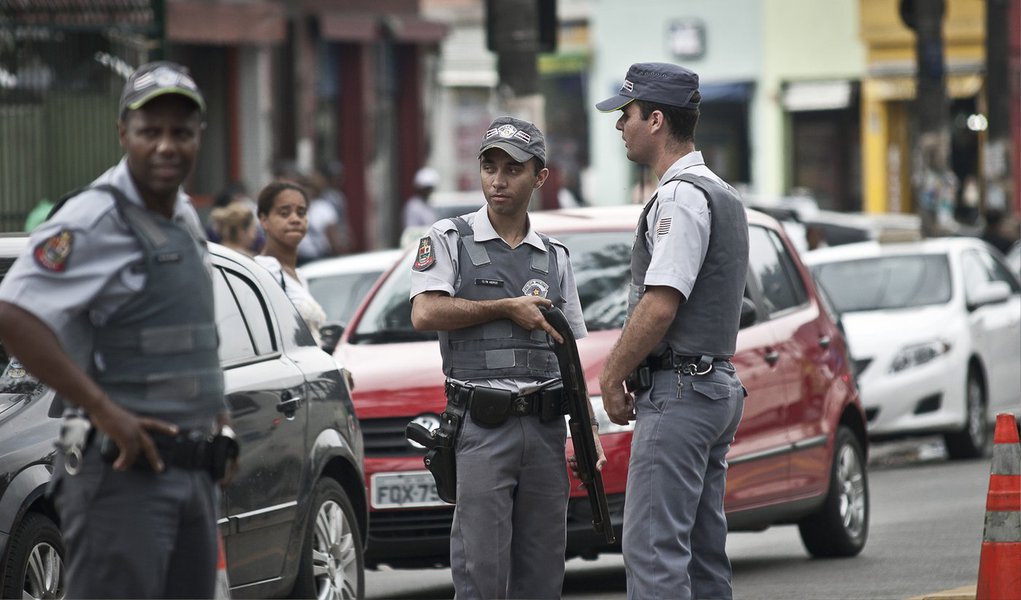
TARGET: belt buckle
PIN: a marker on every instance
(521, 406)
(692, 369)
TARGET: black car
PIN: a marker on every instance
(295, 516)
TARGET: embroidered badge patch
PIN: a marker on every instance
(536, 287)
(425, 258)
(52, 254)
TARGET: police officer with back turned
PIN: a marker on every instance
(111, 305)
(688, 268)
(480, 280)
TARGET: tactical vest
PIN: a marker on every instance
(501, 349)
(157, 354)
(706, 323)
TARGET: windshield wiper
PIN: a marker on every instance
(392, 336)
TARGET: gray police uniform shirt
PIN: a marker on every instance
(678, 229)
(443, 276)
(102, 269)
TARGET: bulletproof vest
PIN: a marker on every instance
(707, 322)
(501, 349)
(157, 354)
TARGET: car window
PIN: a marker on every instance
(235, 342)
(340, 294)
(774, 271)
(887, 282)
(601, 263)
(253, 310)
(979, 266)
(602, 271)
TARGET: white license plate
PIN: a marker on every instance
(404, 490)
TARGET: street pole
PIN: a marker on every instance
(998, 180)
(933, 182)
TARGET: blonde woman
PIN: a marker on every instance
(235, 225)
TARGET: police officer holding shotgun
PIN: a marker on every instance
(688, 269)
(111, 305)
(480, 280)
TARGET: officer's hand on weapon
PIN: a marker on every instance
(600, 461)
(130, 433)
(524, 310)
(618, 404)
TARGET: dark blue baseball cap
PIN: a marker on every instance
(663, 83)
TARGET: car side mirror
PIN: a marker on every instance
(330, 335)
(748, 312)
(992, 292)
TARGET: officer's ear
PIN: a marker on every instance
(540, 177)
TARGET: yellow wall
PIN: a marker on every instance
(889, 87)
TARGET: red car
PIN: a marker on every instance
(800, 452)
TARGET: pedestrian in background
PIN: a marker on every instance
(480, 280)
(112, 306)
(323, 238)
(283, 213)
(235, 227)
(688, 269)
(417, 212)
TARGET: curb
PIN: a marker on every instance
(962, 593)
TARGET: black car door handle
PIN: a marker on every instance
(290, 405)
(772, 356)
(824, 342)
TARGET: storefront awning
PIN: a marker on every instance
(195, 22)
(817, 95)
(739, 91)
(416, 31)
(345, 27)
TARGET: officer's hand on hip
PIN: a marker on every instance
(618, 404)
(524, 310)
(130, 433)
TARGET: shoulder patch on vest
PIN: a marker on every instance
(52, 253)
(425, 258)
(536, 287)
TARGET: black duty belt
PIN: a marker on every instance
(491, 406)
(690, 365)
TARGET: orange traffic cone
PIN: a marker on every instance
(999, 569)
(222, 583)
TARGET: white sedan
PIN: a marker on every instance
(934, 330)
(340, 284)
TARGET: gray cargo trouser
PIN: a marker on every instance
(675, 530)
(510, 523)
(137, 534)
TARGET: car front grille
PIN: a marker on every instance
(385, 437)
(5, 265)
(411, 524)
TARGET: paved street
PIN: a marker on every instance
(926, 532)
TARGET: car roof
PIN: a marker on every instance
(608, 218)
(11, 244)
(374, 261)
(875, 249)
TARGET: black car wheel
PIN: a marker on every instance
(332, 563)
(35, 565)
(841, 526)
(972, 441)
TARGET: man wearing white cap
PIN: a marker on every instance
(417, 212)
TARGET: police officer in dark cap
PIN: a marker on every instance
(111, 305)
(480, 280)
(688, 269)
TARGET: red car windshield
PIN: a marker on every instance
(601, 262)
